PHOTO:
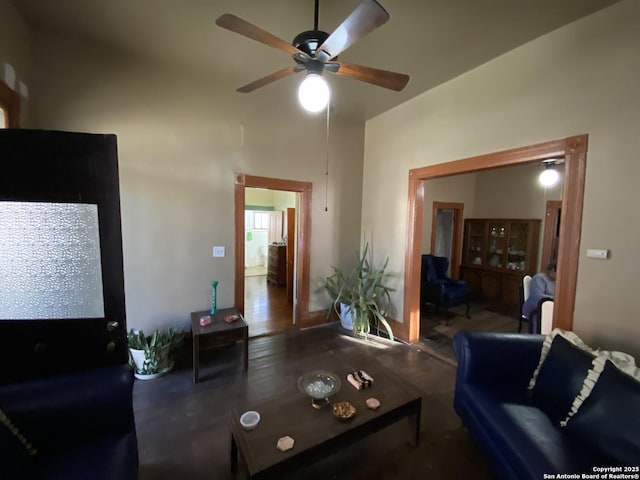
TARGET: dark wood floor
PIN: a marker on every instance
(183, 431)
(437, 328)
(265, 307)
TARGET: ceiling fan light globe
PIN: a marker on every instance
(313, 93)
(549, 177)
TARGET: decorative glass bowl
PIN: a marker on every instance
(319, 385)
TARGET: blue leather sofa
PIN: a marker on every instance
(80, 423)
(519, 431)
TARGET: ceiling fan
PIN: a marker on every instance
(316, 52)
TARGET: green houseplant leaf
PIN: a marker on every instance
(363, 291)
(157, 348)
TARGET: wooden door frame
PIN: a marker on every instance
(291, 242)
(10, 100)
(302, 315)
(456, 249)
(574, 151)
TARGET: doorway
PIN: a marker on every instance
(574, 152)
(446, 233)
(269, 245)
(302, 318)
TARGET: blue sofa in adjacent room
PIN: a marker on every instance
(525, 432)
(78, 426)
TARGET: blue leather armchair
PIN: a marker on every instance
(438, 289)
(80, 423)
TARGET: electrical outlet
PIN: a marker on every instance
(218, 251)
(597, 253)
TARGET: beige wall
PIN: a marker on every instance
(579, 79)
(15, 49)
(510, 192)
(513, 192)
(279, 200)
(181, 138)
(258, 196)
(456, 188)
(284, 200)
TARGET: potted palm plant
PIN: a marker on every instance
(361, 297)
(150, 355)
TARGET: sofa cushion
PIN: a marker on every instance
(77, 407)
(523, 436)
(114, 457)
(560, 378)
(81, 424)
(609, 418)
(15, 449)
(623, 361)
(546, 345)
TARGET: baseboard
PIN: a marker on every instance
(313, 319)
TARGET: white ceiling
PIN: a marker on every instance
(430, 40)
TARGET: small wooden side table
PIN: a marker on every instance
(217, 333)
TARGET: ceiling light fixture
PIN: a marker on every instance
(313, 93)
(550, 175)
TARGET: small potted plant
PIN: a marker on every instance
(151, 356)
(361, 296)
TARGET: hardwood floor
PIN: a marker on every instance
(265, 307)
(437, 329)
(254, 271)
(183, 430)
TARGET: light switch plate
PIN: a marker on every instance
(218, 251)
(597, 253)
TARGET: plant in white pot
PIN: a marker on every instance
(151, 355)
(361, 297)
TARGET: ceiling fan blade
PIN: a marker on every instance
(250, 87)
(382, 78)
(237, 25)
(367, 16)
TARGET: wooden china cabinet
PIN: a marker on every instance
(496, 253)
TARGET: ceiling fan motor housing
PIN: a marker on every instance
(309, 41)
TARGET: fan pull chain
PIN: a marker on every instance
(326, 171)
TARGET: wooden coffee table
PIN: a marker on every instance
(316, 432)
(217, 333)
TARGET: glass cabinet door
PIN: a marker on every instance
(501, 244)
(475, 237)
(496, 249)
(517, 252)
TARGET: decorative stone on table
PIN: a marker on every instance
(360, 379)
(285, 443)
(373, 403)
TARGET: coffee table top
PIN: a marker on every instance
(217, 321)
(292, 414)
